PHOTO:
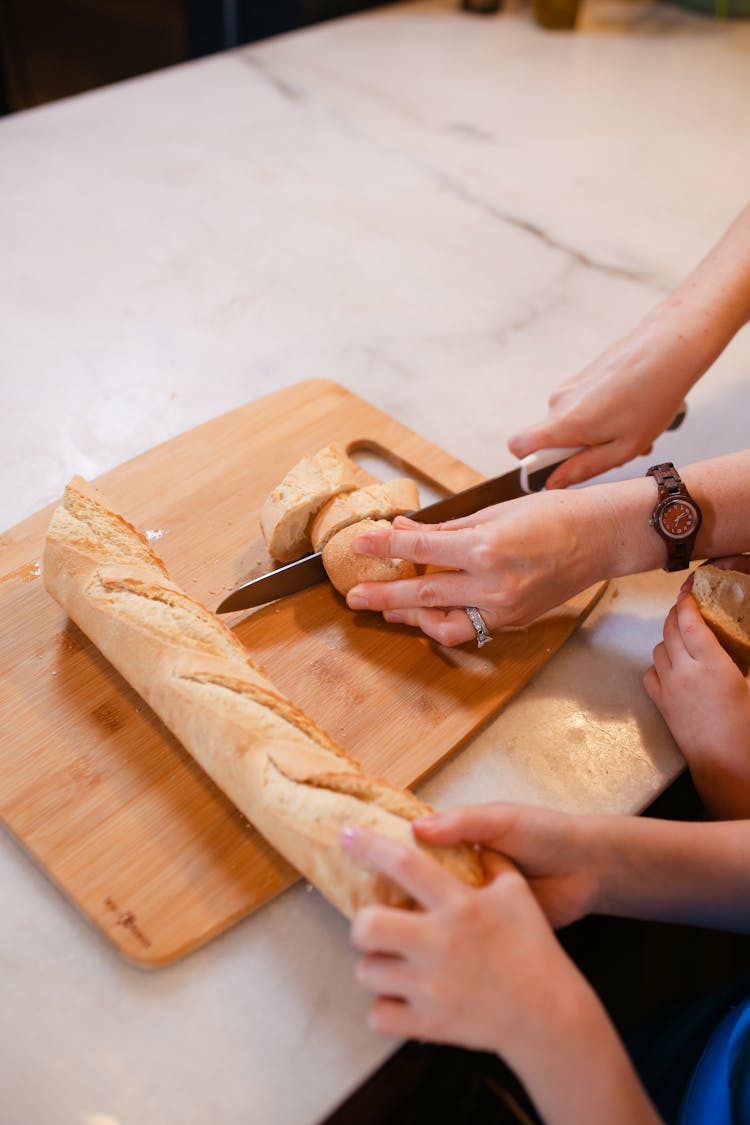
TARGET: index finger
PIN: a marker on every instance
(416, 872)
(422, 545)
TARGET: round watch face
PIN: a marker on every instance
(678, 519)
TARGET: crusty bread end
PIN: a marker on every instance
(287, 513)
(723, 597)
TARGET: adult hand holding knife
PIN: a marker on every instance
(515, 560)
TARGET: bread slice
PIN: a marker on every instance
(723, 597)
(346, 569)
(286, 515)
(374, 502)
(292, 781)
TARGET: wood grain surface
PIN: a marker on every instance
(96, 788)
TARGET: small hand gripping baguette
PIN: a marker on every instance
(723, 598)
(291, 780)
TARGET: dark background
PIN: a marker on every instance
(50, 49)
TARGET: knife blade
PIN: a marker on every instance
(530, 475)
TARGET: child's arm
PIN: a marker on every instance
(705, 701)
(482, 968)
(694, 873)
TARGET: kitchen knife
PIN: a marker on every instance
(530, 475)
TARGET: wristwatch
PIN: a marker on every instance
(676, 517)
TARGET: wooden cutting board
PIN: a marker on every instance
(94, 786)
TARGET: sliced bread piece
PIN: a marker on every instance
(374, 502)
(286, 515)
(346, 569)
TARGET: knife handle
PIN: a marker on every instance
(539, 466)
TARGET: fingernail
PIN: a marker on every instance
(347, 836)
(357, 601)
(424, 822)
(394, 617)
(363, 545)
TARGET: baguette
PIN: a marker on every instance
(346, 570)
(290, 779)
(723, 598)
(374, 502)
(286, 515)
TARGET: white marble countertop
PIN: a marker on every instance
(448, 215)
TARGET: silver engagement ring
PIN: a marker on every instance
(483, 633)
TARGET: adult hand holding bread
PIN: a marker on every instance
(512, 561)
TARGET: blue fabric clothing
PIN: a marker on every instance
(668, 1048)
(719, 1090)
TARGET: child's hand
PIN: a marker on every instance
(705, 701)
(476, 967)
(561, 856)
(481, 968)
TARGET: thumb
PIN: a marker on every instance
(474, 824)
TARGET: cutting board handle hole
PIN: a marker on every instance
(383, 464)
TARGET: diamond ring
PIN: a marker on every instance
(483, 633)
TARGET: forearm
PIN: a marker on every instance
(693, 873)
(720, 283)
(615, 517)
(703, 314)
(577, 1071)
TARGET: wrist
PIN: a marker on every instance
(614, 528)
(561, 1018)
(616, 874)
(576, 1069)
